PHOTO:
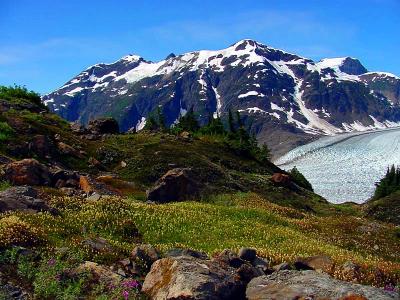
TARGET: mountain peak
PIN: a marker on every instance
(348, 65)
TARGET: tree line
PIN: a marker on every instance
(233, 132)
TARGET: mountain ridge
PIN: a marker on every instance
(278, 93)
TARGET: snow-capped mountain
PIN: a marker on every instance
(286, 99)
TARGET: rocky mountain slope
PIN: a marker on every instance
(76, 221)
(286, 99)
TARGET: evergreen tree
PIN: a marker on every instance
(389, 183)
(299, 178)
(214, 127)
(231, 122)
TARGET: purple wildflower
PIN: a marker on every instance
(131, 284)
(51, 262)
(125, 294)
(390, 288)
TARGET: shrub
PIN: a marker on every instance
(19, 92)
(6, 131)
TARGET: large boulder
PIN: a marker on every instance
(176, 185)
(289, 285)
(190, 278)
(21, 198)
(27, 172)
(103, 126)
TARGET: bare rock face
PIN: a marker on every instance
(190, 278)
(176, 185)
(289, 285)
(21, 198)
(27, 172)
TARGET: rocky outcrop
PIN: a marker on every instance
(27, 172)
(176, 185)
(103, 126)
(289, 285)
(22, 198)
(187, 277)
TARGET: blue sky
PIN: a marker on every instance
(45, 43)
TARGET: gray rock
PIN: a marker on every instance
(289, 285)
(22, 198)
(175, 252)
(94, 197)
(186, 277)
(247, 254)
(282, 266)
(229, 257)
(145, 253)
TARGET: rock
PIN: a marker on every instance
(41, 146)
(68, 191)
(176, 185)
(350, 270)
(85, 185)
(319, 263)
(103, 126)
(289, 285)
(98, 245)
(186, 277)
(175, 252)
(145, 253)
(247, 254)
(281, 179)
(68, 150)
(282, 266)
(27, 172)
(102, 274)
(247, 272)
(94, 197)
(185, 135)
(230, 258)
(94, 163)
(22, 198)
(4, 160)
(77, 128)
(261, 264)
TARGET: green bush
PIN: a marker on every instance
(19, 92)
(6, 132)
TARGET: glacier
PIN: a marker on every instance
(345, 167)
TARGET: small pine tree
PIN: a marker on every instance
(214, 127)
(299, 178)
(388, 184)
(231, 122)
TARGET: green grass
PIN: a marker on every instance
(6, 132)
(4, 185)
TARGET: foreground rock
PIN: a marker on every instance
(22, 198)
(176, 185)
(289, 285)
(27, 172)
(187, 277)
